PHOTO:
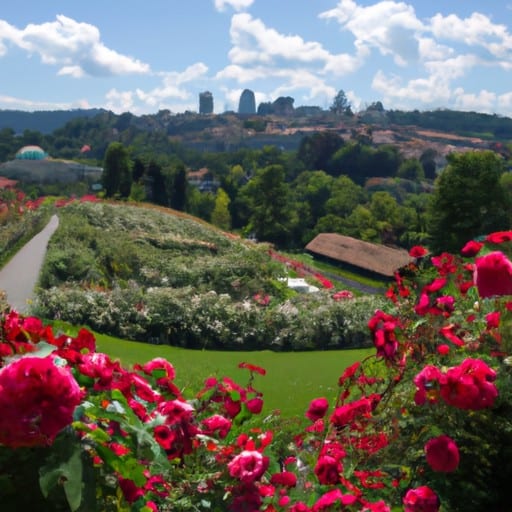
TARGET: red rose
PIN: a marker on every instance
(255, 405)
(286, 478)
(499, 237)
(328, 470)
(427, 385)
(469, 386)
(421, 499)
(317, 409)
(417, 251)
(37, 400)
(217, 423)
(442, 454)
(472, 248)
(493, 275)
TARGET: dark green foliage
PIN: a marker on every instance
(117, 173)
(315, 151)
(468, 201)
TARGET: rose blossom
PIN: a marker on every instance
(248, 466)
(442, 454)
(472, 248)
(37, 400)
(493, 275)
(328, 470)
(427, 385)
(217, 423)
(317, 409)
(469, 386)
(421, 499)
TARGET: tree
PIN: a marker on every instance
(179, 188)
(340, 104)
(411, 169)
(345, 196)
(316, 150)
(468, 201)
(267, 197)
(220, 215)
(117, 172)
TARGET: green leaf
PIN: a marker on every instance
(68, 474)
(73, 483)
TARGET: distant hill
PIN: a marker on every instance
(44, 121)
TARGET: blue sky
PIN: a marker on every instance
(142, 57)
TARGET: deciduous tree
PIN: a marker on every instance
(468, 200)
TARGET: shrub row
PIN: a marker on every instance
(183, 317)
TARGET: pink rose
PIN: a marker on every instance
(248, 466)
(493, 275)
(421, 499)
(37, 400)
(442, 454)
(317, 409)
(217, 423)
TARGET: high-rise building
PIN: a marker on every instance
(247, 104)
(206, 102)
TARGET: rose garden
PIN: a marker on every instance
(423, 425)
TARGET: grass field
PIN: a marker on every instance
(293, 379)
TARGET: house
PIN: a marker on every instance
(6, 183)
(368, 258)
(203, 180)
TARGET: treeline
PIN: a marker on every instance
(490, 126)
(285, 197)
(329, 184)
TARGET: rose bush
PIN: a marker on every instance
(424, 425)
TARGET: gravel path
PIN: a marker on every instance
(19, 277)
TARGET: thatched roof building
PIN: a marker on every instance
(371, 258)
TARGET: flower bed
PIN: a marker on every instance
(424, 425)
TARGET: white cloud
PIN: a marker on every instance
(254, 42)
(428, 91)
(172, 86)
(483, 101)
(10, 102)
(119, 101)
(238, 5)
(477, 30)
(390, 27)
(75, 47)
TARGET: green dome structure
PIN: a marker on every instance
(31, 153)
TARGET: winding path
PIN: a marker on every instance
(19, 276)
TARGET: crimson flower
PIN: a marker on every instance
(217, 423)
(328, 470)
(285, 478)
(472, 248)
(317, 409)
(332, 497)
(248, 466)
(417, 251)
(499, 237)
(427, 385)
(253, 368)
(421, 499)
(469, 386)
(37, 400)
(442, 454)
(493, 275)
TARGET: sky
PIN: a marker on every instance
(142, 57)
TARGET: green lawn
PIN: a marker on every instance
(292, 379)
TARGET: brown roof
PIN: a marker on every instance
(365, 255)
(7, 183)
